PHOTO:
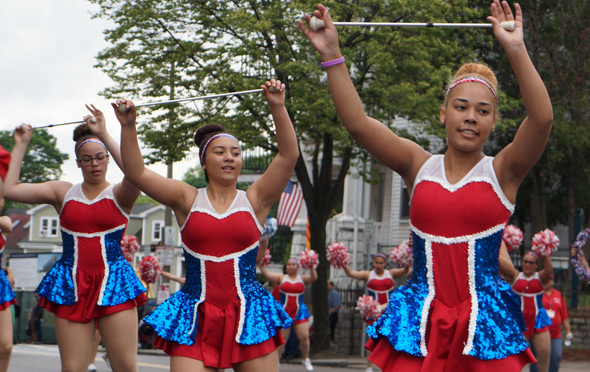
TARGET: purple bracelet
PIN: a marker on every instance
(333, 62)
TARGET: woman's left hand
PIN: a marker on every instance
(503, 13)
(274, 91)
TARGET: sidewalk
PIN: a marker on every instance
(332, 359)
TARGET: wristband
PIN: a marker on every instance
(333, 62)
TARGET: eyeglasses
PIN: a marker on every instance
(529, 262)
(100, 159)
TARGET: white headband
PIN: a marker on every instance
(473, 79)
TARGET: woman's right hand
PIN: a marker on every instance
(129, 116)
(324, 40)
(23, 134)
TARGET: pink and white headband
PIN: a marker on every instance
(202, 157)
(473, 79)
(95, 140)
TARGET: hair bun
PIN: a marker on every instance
(207, 131)
(477, 69)
(82, 131)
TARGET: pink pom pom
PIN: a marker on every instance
(545, 243)
(266, 259)
(149, 269)
(129, 245)
(402, 254)
(337, 255)
(308, 259)
(512, 237)
(368, 307)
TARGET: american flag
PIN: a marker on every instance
(289, 205)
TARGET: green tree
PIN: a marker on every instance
(165, 49)
(43, 160)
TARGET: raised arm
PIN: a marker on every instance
(359, 275)
(274, 279)
(173, 193)
(312, 277)
(170, 276)
(397, 272)
(545, 273)
(126, 192)
(516, 160)
(52, 192)
(403, 156)
(5, 224)
(265, 191)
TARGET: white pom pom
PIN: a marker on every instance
(316, 23)
(508, 25)
(122, 108)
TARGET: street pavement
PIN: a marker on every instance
(45, 358)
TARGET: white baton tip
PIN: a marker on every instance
(508, 25)
(316, 23)
(122, 108)
(93, 120)
(272, 89)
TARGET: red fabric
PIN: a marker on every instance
(390, 360)
(473, 198)
(555, 302)
(381, 286)
(292, 290)
(215, 343)
(4, 162)
(276, 293)
(86, 310)
(7, 304)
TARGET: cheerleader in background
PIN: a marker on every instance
(291, 290)
(380, 284)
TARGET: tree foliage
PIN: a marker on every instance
(43, 160)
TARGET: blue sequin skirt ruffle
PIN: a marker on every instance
(542, 319)
(122, 284)
(499, 325)
(176, 318)
(400, 322)
(263, 316)
(6, 292)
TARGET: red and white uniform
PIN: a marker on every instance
(380, 287)
(291, 297)
(531, 289)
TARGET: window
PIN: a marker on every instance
(404, 210)
(49, 227)
(157, 228)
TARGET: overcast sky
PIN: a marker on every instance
(48, 50)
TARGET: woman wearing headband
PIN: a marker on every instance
(291, 289)
(221, 317)
(91, 285)
(455, 307)
(530, 284)
(380, 284)
(379, 281)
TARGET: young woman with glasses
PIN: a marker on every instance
(91, 285)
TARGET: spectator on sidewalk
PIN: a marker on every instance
(334, 303)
